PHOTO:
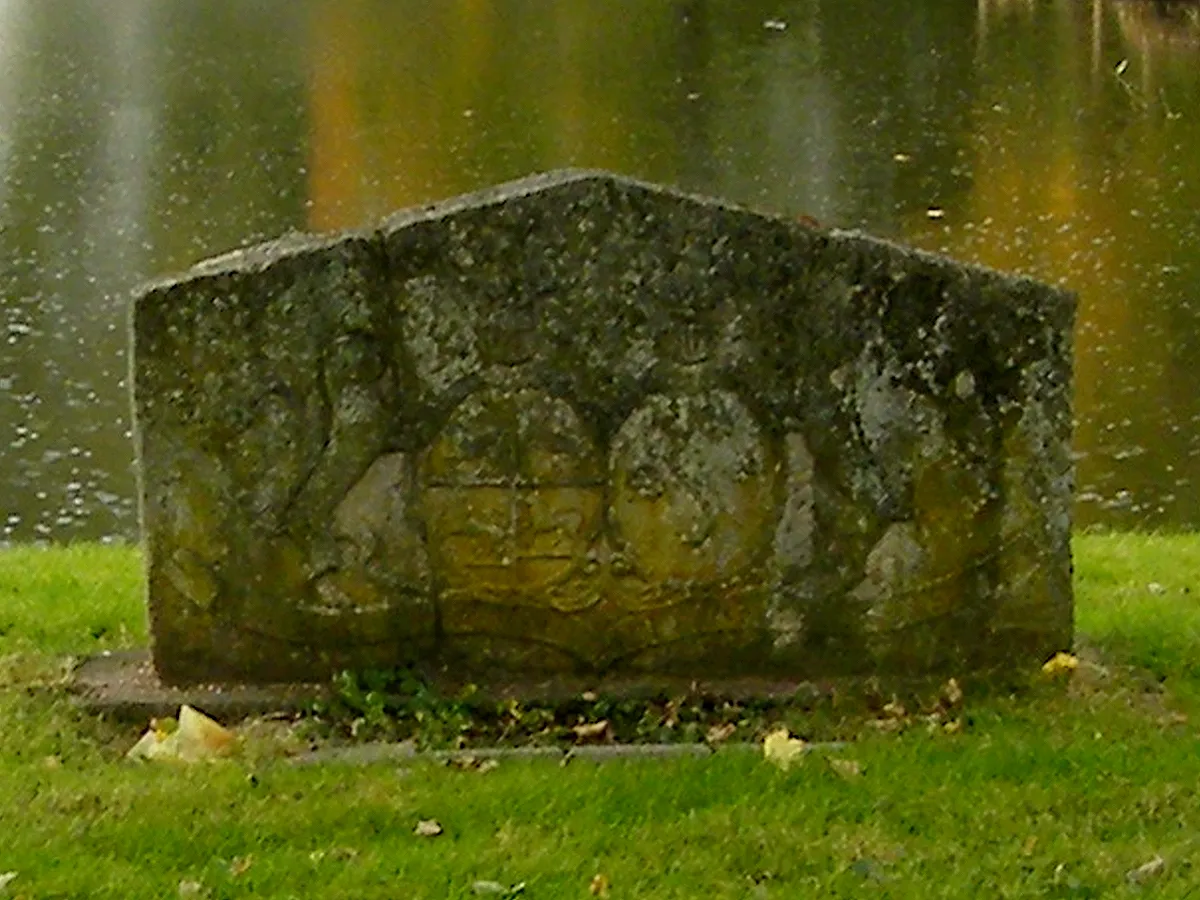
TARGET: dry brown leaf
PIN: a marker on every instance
(497, 889)
(671, 714)
(428, 828)
(469, 762)
(1146, 871)
(952, 694)
(337, 854)
(847, 768)
(894, 709)
(592, 732)
(720, 733)
(240, 865)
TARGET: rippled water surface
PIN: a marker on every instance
(1059, 138)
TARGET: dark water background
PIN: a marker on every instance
(1060, 138)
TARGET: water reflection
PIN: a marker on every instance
(1085, 172)
(1049, 136)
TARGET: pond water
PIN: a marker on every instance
(1059, 138)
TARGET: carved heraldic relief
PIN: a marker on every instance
(583, 425)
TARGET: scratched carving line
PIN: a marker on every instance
(976, 563)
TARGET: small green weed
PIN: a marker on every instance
(394, 705)
(399, 705)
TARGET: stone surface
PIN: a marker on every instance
(124, 686)
(582, 425)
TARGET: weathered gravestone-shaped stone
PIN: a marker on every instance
(582, 424)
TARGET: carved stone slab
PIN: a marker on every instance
(581, 424)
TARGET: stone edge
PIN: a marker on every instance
(124, 686)
(262, 255)
(406, 751)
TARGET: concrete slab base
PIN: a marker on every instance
(123, 685)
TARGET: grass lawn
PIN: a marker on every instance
(1063, 791)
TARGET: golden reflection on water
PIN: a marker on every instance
(1069, 133)
(1057, 137)
(1081, 181)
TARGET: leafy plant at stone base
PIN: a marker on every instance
(394, 704)
(399, 705)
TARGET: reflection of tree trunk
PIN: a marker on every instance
(78, 120)
(335, 158)
(981, 26)
(1159, 30)
(570, 101)
(13, 18)
(118, 221)
(695, 159)
(817, 138)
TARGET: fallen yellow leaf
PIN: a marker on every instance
(780, 748)
(1060, 664)
(599, 886)
(194, 737)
